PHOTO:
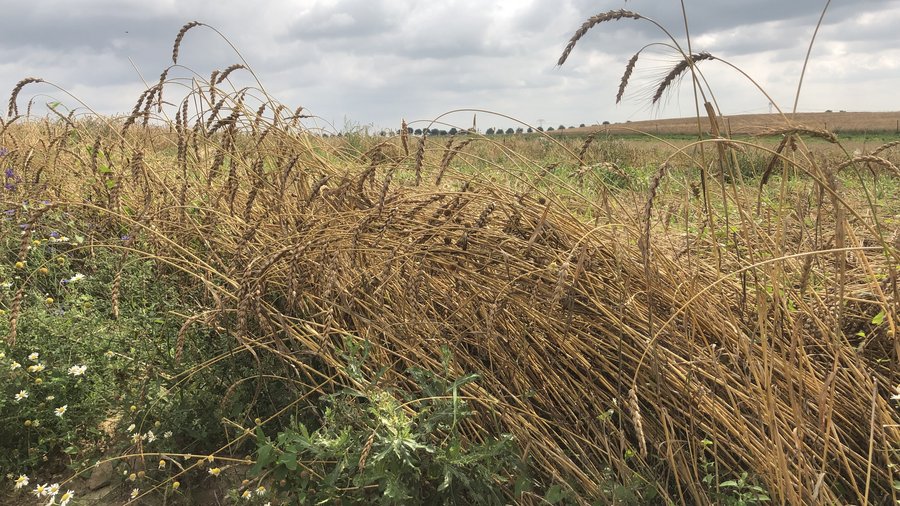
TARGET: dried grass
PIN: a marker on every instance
(565, 311)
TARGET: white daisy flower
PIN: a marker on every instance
(64, 500)
(23, 394)
(60, 411)
(77, 370)
(40, 490)
(21, 481)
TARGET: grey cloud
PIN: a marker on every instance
(379, 60)
(351, 19)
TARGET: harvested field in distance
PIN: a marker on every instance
(759, 124)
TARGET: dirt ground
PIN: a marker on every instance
(755, 124)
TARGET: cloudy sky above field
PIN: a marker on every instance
(377, 61)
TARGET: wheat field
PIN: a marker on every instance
(664, 319)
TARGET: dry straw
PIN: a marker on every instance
(303, 258)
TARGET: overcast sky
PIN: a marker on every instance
(373, 62)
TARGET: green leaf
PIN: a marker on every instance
(554, 494)
(265, 457)
(104, 169)
(879, 318)
(729, 483)
(523, 484)
(445, 484)
(468, 378)
(110, 184)
(288, 460)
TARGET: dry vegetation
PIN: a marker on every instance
(640, 322)
(760, 124)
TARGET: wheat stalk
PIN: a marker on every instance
(592, 22)
(677, 70)
(227, 72)
(626, 76)
(13, 109)
(177, 46)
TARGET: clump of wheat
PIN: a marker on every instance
(301, 243)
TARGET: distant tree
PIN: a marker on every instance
(530, 130)
(550, 129)
(540, 129)
(581, 125)
(453, 131)
(510, 131)
(606, 122)
(443, 132)
(828, 110)
(417, 131)
(561, 127)
(409, 130)
(520, 130)
(435, 131)
(489, 131)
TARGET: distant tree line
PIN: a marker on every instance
(455, 131)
